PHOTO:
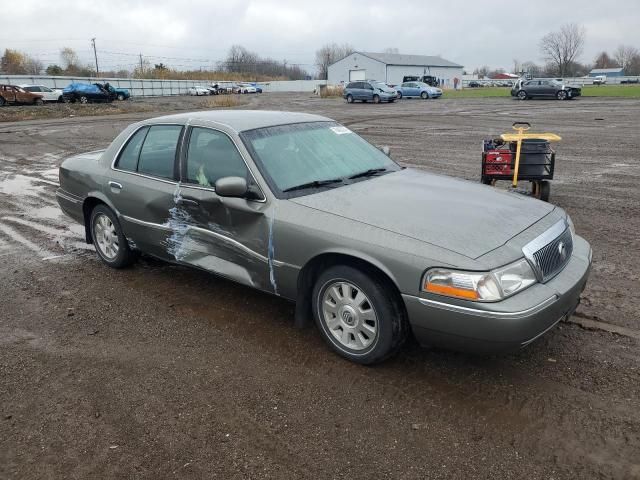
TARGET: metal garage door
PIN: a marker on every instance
(355, 75)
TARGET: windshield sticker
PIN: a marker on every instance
(340, 130)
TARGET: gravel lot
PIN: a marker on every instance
(160, 371)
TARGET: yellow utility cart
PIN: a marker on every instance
(521, 156)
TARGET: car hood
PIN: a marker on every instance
(461, 216)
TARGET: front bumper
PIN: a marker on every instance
(501, 326)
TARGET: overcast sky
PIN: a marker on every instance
(198, 33)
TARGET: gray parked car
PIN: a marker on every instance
(544, 87)
(302, 207)
(369, 91)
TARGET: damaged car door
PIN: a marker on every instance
(225, 235)
(142, 185)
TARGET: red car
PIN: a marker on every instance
(17, 95)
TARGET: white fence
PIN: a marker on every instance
(154, 87)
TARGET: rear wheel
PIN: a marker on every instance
(83, 99)
(561, 95)
(60, 99)
(424, 95)
(544, 191)
(349, 98)
(522, 95)
(358, 314)
(111, 244)
(376, 99)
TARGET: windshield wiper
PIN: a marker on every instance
(368, 173)
(314, 184)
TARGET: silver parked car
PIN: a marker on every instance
(302, 207)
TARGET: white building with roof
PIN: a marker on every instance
(391, 68)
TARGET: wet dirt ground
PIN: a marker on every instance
(160, 371)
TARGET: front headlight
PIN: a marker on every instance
(480, 286)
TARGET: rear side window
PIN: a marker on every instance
(352, 85)
(129, 157)
(158, 154)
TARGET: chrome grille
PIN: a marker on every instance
(550, 253)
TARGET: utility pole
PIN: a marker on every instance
(141, 66)
(95, 54)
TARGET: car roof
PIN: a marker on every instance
(241, 120)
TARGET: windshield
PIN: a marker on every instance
(302, 153)
(382, 86)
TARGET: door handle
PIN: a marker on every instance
(115, 185)
(188, 201)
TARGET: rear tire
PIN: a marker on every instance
(349, 98)
(544, 190)
(2, 102)
(359, 314)
(38, 101)
(109, 241)
(399, 95)
(83, 99)
(120, 97)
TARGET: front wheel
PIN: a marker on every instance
(349, 98)
(84, 99)
(358, 314)
(522, 95)
(376, 99)
(108, 238)
(399, 95)
(561, 95)
(424, 95)
(120, 97)
(38, 101)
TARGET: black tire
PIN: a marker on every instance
(486, 180)
(38, 101)
(376, 99)
(2, 102)
(399, 95)
(125, 256)
(561, 95)
(522, 95)
(391, 322)
(349, 98)
(120, 97)
(424, 95)
(544, 190)
(83, 99)
(60, 99)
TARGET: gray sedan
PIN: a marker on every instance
(302, 207)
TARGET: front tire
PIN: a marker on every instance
(522, 95)
(84, 99)
(424, 95)
(38, 101)
(399, 95)
(110, 243)
(349, 98)
(561, 95)
(358, 314)
(376, 99)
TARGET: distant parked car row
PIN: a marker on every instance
(376, 92)
(75, 92)
(220, 89)
(492, 83)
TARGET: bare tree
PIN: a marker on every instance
(531, 68)
(482, 72)
(603, 60)
(33, 66)
(563, 47)
(625, 56)
(69, 58)
(329, 54)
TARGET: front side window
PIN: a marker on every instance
(296, 154)
(212, 155)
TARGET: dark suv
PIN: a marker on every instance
(369, 91)
(544, 87)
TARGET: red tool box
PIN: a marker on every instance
(498, 162)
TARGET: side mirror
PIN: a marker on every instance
(386, 150)
(231, 187)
